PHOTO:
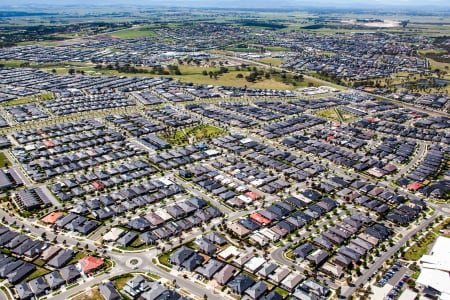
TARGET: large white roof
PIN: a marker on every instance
(435, 271)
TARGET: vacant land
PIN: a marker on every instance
(91, 294)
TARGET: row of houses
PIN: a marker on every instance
(108, 177)
(9, 178)
(31, 199)
(40, 80)
(166, 223)
(135, 124)
(432, 135)
(221, 116)
(141, 288)
(26, 112)
(83, 158)
(43, 285)
(396, 150)
(171, 117)
(79, 104)
(181, 156)
(254, 112)
(229, 266)
(290, 165)
(292, 125)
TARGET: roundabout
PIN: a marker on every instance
(134, 262)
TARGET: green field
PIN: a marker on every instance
(271, 61)
(416, 251)
(29, 99)
(329, 113)
(245, 50)
(276, 49)
(132, 33)
(192, 134)
(4, 161)
(420, 247)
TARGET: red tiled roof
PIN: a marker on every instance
(49, 144)
(90, 263)
(253, 195)
(52, 217)
(414, 186)
(260, 219)
(98, 185)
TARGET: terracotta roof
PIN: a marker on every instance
(414, 186)
(253, 195)
(260, 219)
(98, 185)
(49, 144)
(90, 263)
(52, 217)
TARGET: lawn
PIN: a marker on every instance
(246, 50)
(276, 49)
(154, 276)
(29, 99)
(4, 161)
(345, 116)
(420, 248)
(11, 63)
(271, 61)
(282, 292)
(164, 259)
(38, 273)
(140, 32)
(443, 225)
(137, 244)
(329, 113)
(39, 262)
(120, 281)
(439, 65)
(196, 133)
(77, 257)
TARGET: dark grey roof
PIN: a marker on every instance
(108, 291)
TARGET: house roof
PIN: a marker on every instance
(90, 263)
(256, 290)
(108, 291)
(23, 291)
(69, 273)
(224, 274)
(240, 283)
(52, 217)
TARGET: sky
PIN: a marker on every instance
(239, 3)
